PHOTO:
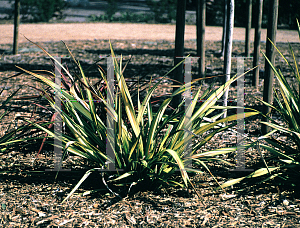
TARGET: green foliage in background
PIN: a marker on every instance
(111, 9)
(164, 10)
(41, 10)
(288, 11)
(124, 17)
(161, 12)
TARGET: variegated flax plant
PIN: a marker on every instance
(284, 163)
(149, 146)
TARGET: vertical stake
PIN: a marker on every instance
(58, 155)
(188, 114)
(240, 153)
(16, 26)
(110, 134)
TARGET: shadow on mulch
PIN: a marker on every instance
(158, 52)
(91, 71)
(124, 52)
(26, 66)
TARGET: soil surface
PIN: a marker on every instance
(112, 31)
(33, 199)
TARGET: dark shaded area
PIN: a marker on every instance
(154, 52)
(26, 66)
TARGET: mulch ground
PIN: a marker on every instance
(33, 199)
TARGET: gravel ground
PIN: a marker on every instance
(33, 199)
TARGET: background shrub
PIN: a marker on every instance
(111, 9)
(124, 17)
(164, 10)
(288, 11)
(41, 10)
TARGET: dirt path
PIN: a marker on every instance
(90, 31)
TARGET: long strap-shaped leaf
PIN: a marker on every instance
(180, 165)
(183, 123)
(257, 173)
(154, 124)
(207, 127)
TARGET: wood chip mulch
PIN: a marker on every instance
(33, 199)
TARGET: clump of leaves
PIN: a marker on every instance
(146, 147)
(287, 169)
